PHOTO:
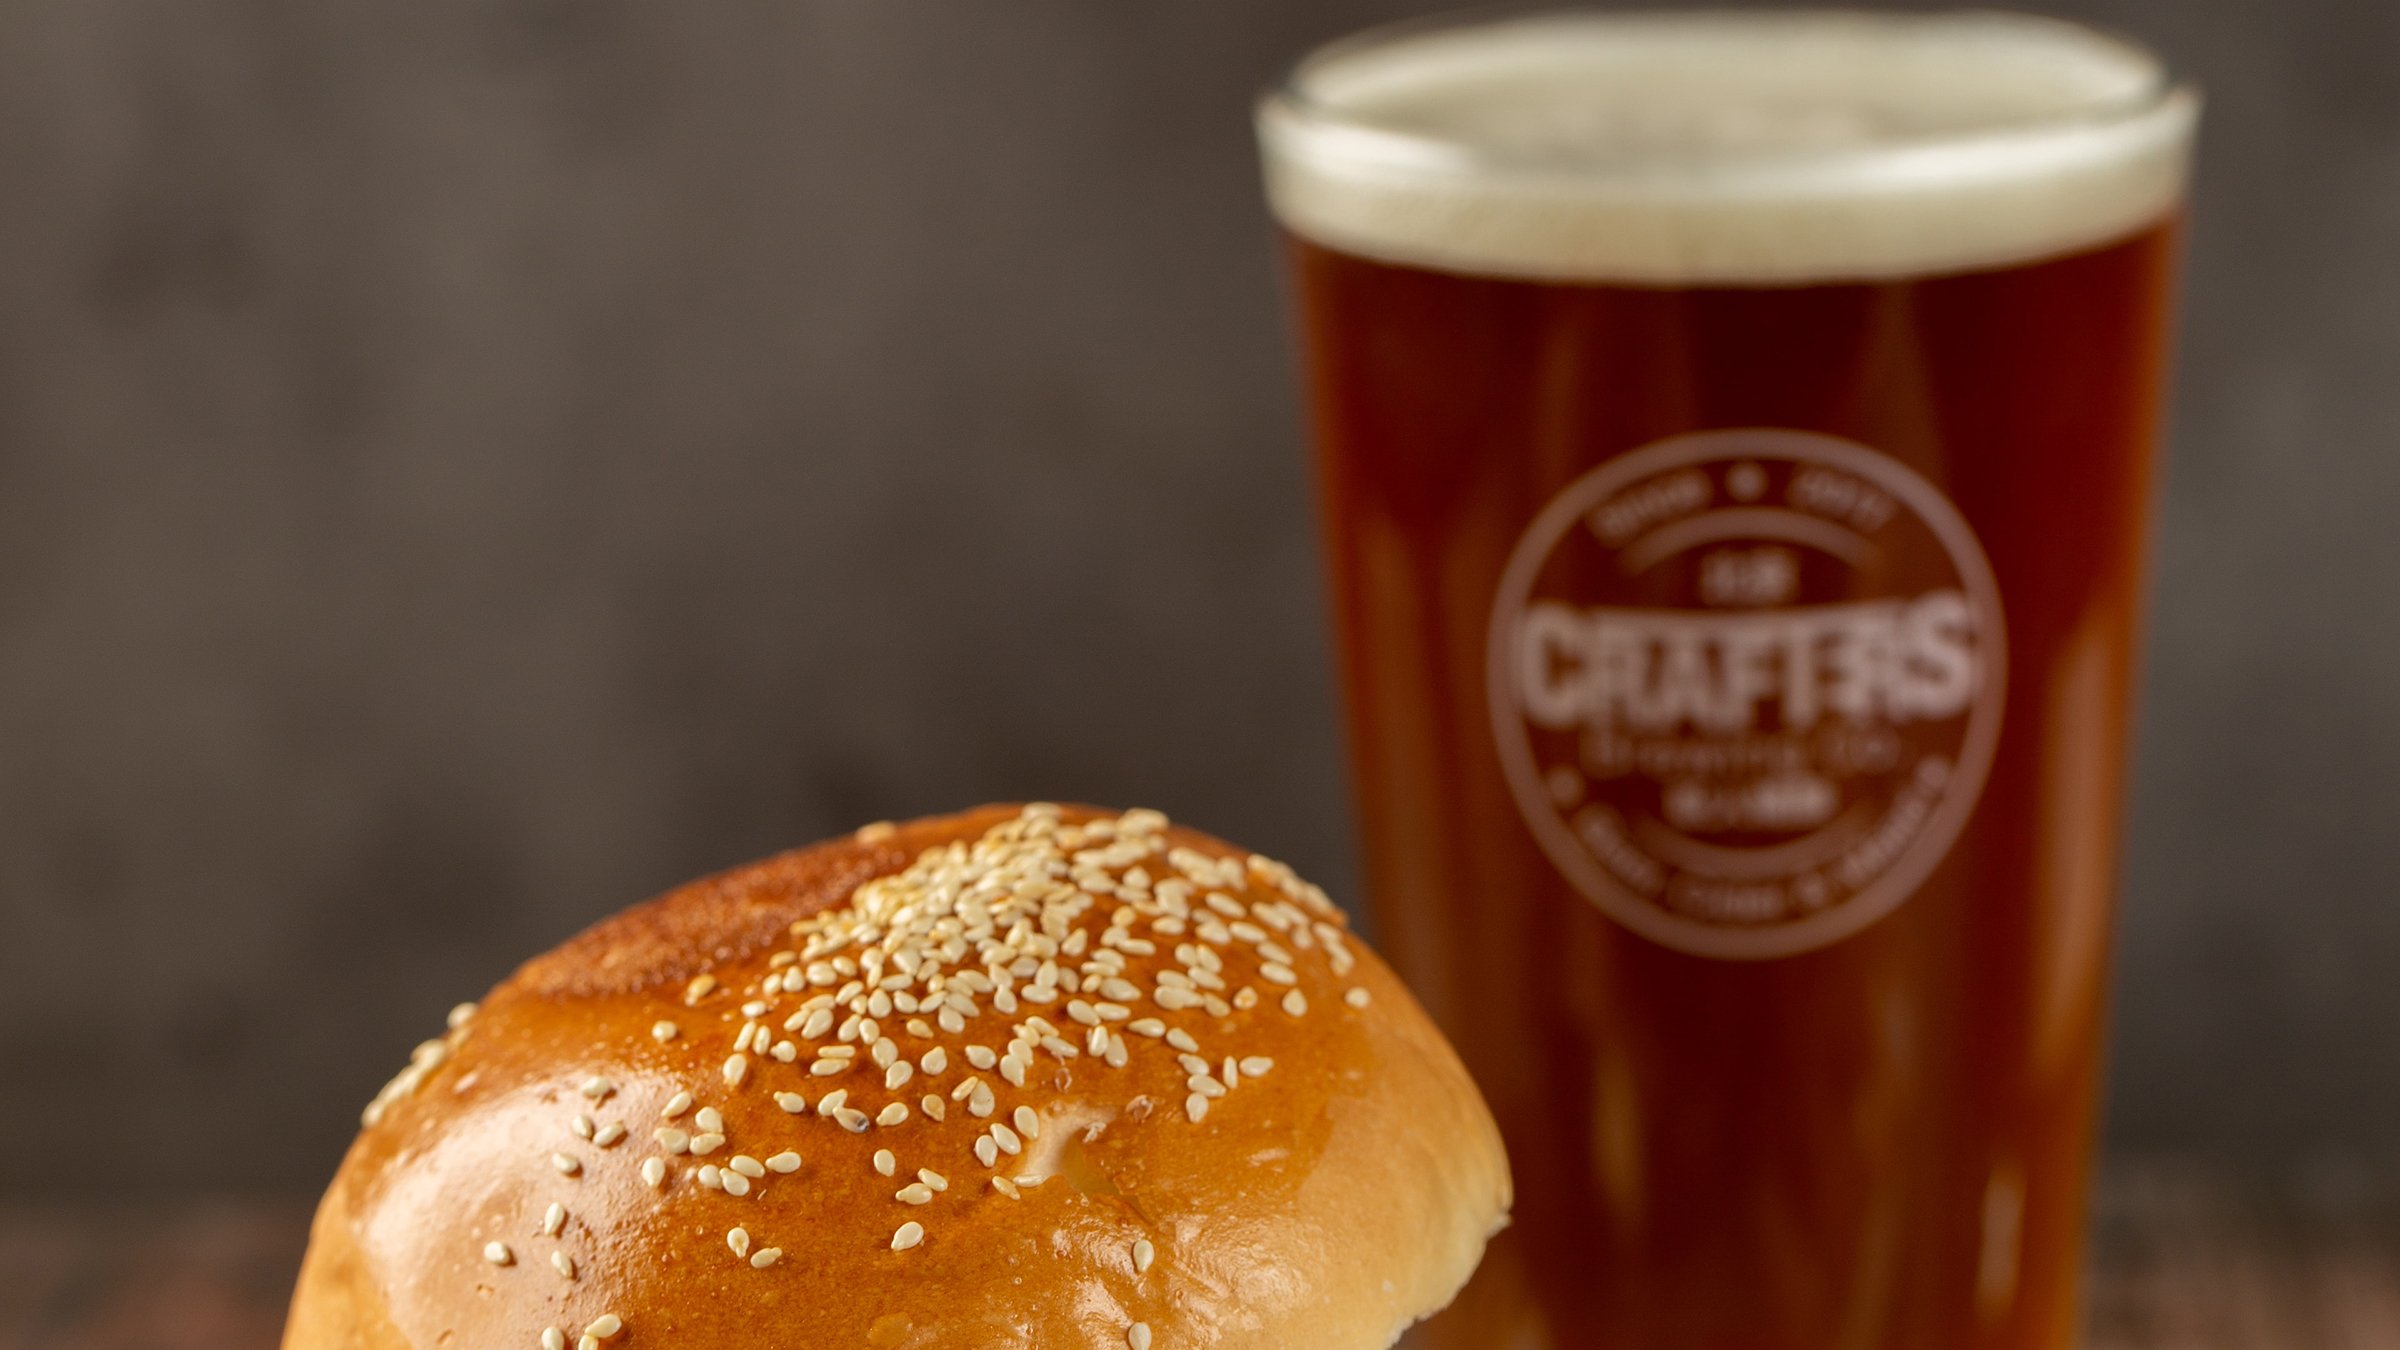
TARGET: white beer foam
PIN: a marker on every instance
(1727, 148)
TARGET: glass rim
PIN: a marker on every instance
(1298, 120)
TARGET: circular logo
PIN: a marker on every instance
(1746, 686)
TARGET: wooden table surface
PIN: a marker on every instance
(2181, 1261)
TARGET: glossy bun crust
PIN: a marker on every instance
(1340, 1187)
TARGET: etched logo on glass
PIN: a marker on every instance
(1746, 686)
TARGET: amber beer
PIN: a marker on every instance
(1735, 436)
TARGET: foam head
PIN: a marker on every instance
(1727, 148)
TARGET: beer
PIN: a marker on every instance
(1734, 436)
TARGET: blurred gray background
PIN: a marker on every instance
(467, 466)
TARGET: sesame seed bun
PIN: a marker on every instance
(809, 1103)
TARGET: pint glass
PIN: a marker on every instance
(1734, 434)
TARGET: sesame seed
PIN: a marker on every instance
(598, 1088)
(886, 1163)
(498, 1254)
(608, 1136)
(735, 1184)
(674, 1141)
(566, 1166)
(1137, 1336)
(1143, 1255)
(587, 1343)
(553, 1220)
(1358, 997)
(676, 1105)
(932, 1178)
(1295, 1003)
(915, 1193)
(1007, 1188)
(605, 1326)
(1039, 916)
(654, 1172)
(739, 1240)
(711, 1177)
(785, 1162)
(581, 1126)
(710, 1120)
(554, 1339)
(563, 1264)
(460, 1016)
(765, 1257)
(908, 1235)
(1256, 1066)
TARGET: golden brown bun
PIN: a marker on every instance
(1323, 1202)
